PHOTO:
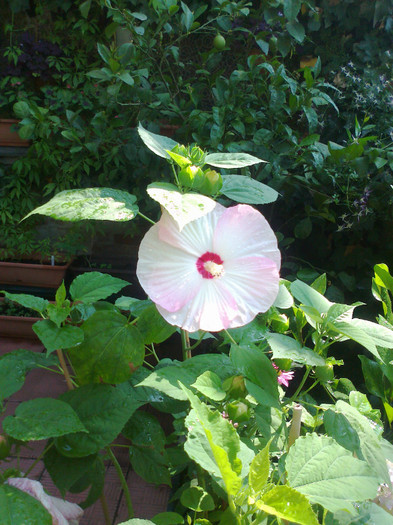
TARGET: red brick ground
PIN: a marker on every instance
(148, 499)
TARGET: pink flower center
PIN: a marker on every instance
(210, 265)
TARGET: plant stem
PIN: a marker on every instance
(185, 343)
(230, 337)
(299, 388)
(123, 482)
(105, 509)
(66, 373)
(38, 459)
(146, 218)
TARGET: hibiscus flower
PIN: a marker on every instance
(218, 272)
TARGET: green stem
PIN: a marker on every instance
(198, 342)
(105, 509)
(146, 218)
(175, 174)
(230, 337)
(299, 388)
(123, 482)
(185, 343)
(38, 459)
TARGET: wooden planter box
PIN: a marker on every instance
(10, 137)
(32, 274)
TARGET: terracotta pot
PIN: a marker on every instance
(32, 274)
(19, 327)
(8, 135)
(168, 130)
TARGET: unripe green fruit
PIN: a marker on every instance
(324, 373)
(219, 42)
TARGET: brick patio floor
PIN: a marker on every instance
(147, 499)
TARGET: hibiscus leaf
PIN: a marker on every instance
(285, 347)
(27, 301)
(328, 474)
(90, 203)
(246, 190)
(17, 506)
(111, 349)
(231, 160)
(183, 208)
(42, 418)
(158, 144)
(54, 337)
(15, 365)
(288, 504)
(95, 286)
(103, 410)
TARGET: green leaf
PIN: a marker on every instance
(373, 376)
(28, 301)
(126, 78)
(223, 441)
(339, 428)
(91, 203)
(111, 349)
(231, 160)
(381, 335)
(291, 8)
(303, 228)
(209, 384)
(383, 277)
(183, 208)
(95, 286)
(328, 474)
(183, 162)
(150, 464)
(136, 521)
(103, 410)
(311, 116)
(143, 429)
(166, 379)
(244, 189)
(348, 329)
(310, 297)
(259, 470)
(285, 347)
(370, 442)
(288, 504)
(15, 365)
(153, 327)
(84, 8)
(195, 498)
(42, 418)
(104, 52)
(65, 472)
(19, 508)
(296, 30)
(255, 366)
(284, 299)
(168, 518)
(158, 144)
(57, 338)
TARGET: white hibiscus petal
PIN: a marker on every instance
(212, 309)
(196, 236)
(242, 231)
(254, 281)
(167, 274)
